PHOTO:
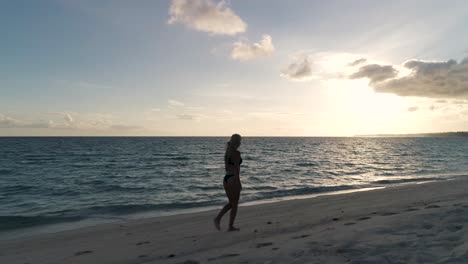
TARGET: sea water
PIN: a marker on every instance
(52, 180)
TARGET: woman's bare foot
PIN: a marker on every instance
(232, 228)
(216, 223)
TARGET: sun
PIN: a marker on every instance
(356, 108)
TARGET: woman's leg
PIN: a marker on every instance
(226, 208)
(234, 195)
(232, 192)
(223, 211)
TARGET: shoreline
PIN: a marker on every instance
(412, 223)
(44, 229)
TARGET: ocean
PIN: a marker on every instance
(47, 181)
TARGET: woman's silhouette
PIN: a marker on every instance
(231, 182)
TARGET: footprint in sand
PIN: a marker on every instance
(412, 209)
(301, 236)
(275, 248)
(224, 256)
(427, 226)
(425, 235)
(403, 244)
(388, 213)
(297, 254)
(349, 223)
(79, 253)
(142, 243)
(454, 228)
(432, 206)
(364, 218)
(266, 244)
(453, 239)
(190, 261)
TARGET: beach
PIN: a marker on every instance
(413, 223)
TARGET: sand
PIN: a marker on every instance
(417, 223)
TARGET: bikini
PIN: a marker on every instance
(226, 178)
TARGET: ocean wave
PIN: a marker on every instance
(302, 191)
(5, 171)
(307, 164)
(205, 188)
(127, 209)
(17, 188)
(260, 188)
(405, 180)
(180, 158)
(15, 222)
(113, 187)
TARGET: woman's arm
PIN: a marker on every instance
(236, 160)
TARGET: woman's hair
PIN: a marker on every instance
(232, 146)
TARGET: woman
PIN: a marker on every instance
(231, 182)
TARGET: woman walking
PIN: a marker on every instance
(231, 182)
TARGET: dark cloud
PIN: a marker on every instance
(298, 70)
(358, 62)
(375, 72)
(447, 79)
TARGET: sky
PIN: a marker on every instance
(214, 68)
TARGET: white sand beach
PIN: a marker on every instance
(417, 223)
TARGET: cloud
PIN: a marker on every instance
(419, 78)
(174, 103)
(460, 102)
(243, 51)
(375, 72)
(298, 70)
(413, 109)
(6, 121)
(187, 117)
(9, 122)
(206, 16)
(447, 79)
(306, 65)
(68, 118)
(125, 127)
(358, 62)
(96, 122)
